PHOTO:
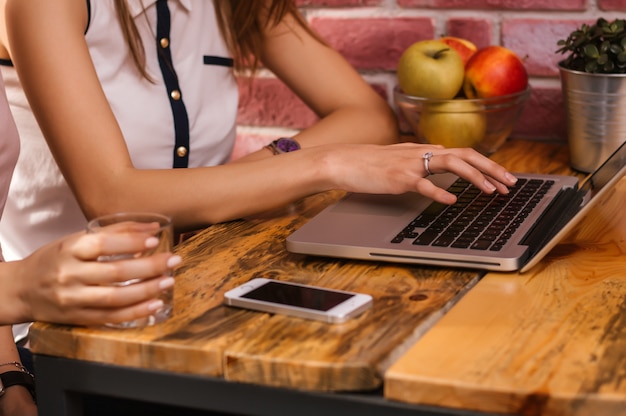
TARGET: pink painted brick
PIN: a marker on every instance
(478, 31)
(268, 102)
(543, 116)
(373, 43)
(612, 5)
(497, 4)
(535, 41)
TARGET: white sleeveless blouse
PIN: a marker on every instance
(184, 118)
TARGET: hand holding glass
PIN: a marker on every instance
(163, 231)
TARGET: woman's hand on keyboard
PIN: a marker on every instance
(401, 168)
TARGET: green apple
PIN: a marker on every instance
(454, 123)
(431, 69)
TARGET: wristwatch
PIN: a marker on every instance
(283, 145)
(17, 378)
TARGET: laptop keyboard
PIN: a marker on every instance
(476, 221)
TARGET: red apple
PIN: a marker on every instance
(464, 47)
(494, 71)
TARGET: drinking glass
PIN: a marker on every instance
(165, 236)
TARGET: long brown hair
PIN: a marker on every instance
(242, 23)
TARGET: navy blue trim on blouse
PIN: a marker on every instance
(218, 60)
(88, 16)
(181, 148)
(6, 62)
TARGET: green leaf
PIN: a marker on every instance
(591, 67)
(598, 48)
(605, 46)
(591, 51)
(615, 49)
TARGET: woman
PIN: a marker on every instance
(137, 101)
(63, 282)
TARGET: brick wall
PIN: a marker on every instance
(372, 34)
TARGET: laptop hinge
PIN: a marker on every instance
(562, 208)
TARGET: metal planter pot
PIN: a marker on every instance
(595, 106)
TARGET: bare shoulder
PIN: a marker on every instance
(19, 13)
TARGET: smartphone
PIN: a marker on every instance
(303, 301)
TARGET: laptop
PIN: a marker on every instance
(489, 232)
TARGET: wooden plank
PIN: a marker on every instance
(193, 340)
(311, 355)
(550, 342)
(205, 337)
(535, 157)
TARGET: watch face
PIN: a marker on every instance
(287, 145)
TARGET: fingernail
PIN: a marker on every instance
(166, 283)
(450, 199)
(155, 305)
(489, 185)
(510, 177)
(151, 242)
(174, 261)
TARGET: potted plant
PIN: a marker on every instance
(593, 79)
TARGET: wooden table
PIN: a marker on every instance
(209, 352)
(551, 341)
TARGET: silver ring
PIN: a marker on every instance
(426, 158)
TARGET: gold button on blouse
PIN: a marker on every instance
(165, 42)
(181, 151)
(175, 95)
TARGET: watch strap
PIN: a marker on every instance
(17, 378)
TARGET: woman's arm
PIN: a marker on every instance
(48, 49)
(64, 282)
(350, 110)
(16, 401)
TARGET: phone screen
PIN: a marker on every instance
(303, 297)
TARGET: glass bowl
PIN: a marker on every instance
(481, 123)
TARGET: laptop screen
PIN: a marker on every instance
(603, 175)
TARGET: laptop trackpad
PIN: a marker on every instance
(385, 205)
